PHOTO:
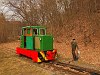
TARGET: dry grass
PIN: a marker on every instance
(89, 54)
(12, 64)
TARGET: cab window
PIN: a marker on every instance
(35, 31)
(24, 32)
(42, 32)
(28, 31)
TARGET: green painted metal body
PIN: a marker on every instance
(22, 41)
(45, 42)
(30, 42)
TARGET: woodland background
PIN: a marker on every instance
(64, 19)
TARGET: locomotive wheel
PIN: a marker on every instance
(20, 55)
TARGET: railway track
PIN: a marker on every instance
(71, 69)
(66, 67)
(79, 69)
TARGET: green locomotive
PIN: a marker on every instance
(36, 44)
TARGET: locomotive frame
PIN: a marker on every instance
(36, 44)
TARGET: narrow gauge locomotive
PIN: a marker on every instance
(36, 44)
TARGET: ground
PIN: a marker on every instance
(88, 55)
(12, 64)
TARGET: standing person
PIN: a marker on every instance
(74, 52)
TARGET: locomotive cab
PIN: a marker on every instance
(34, 39)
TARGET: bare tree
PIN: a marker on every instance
(62, 17)
(26, 9)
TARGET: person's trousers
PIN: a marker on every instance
(75, 57)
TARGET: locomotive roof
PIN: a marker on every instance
(34, 27)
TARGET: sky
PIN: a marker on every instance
(1, 2)
(5, 10)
